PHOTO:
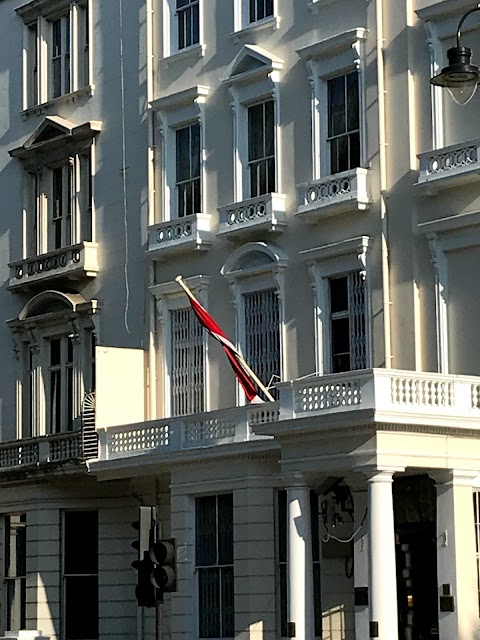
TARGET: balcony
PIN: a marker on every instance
(189, 233)
(450, 166)
(344, 192)
(75, 262)
(263, 213)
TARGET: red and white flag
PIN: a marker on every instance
(238, 364)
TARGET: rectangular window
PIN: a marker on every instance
(188, 182)
(283, 561)
(262, 334)
(347, 323)
(80, 575)
(261, 148)
(15, 571)
(343, 122)
(188, 23)
(29, 393)
(60, 62)
(187, 363)
(60, 385)
(260, 9)
(32, 65)
(214, 564)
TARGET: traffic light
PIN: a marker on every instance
(155, 566)
(164, 574)
(145, 525)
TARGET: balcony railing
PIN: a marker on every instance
(397, 396)
(224, 426)
(346, 191)
(266, 213)
(70, 263)
(450, 166)
(188, 233)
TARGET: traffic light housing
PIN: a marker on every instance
(156, 562)
(145, 526)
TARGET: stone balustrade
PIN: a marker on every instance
(187, 233)
(450, 166)
(265, 212)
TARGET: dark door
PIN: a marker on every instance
(416, 558)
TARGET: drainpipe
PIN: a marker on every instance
(152, 365)
(383, 186)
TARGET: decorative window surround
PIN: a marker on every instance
(444, 235)
(324, 263)
(266, 213)
(256, 266)
(51, 315)
(449, 166)
(71, 263)
(57, 143)
(52, 105)
(171, 46)
(39, 17)
(327, 59)
(175, 233)
(441, 22)
(254, 78)
(241, 18)
(346, 191)
(169, 296)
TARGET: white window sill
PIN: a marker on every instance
(196, 50)
(263, 213)
(316, 5)
(181, 235)
(346, 191)
(272, 22)
(72, 263)
(44, 107)
(451, 166)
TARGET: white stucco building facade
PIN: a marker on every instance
(292, 162)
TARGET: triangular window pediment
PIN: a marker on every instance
(248, 63)
(251, 59)
(49, 129)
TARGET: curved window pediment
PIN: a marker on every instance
(50, 302)
(253, 255)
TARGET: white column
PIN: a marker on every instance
(456, 555)
(300, 574)
(381, 556)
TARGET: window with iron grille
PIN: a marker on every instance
(62, 66)
(261, 148)
(260, 9)
(80, 575)
(214, 565)
(347, 323)
(60, 385)
(262, 334)
(188, 23)
(15, 571)
(187, 363)
(188, 183)
(282, 551)
(343, 122)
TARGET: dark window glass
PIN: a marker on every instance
(260, 9)
(261, 148)
(188, 180)
(343, 122)
(188, 23)
(15, 571)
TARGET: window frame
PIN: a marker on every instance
(22, 524)
(32, 334)
(243, 24)
(169, 296)
(325, 263)
(325, 60)
(38, 39)
(65, 575)
(216, 565)
(171, 45)
(175, 112)
(268, 273)
(259, 83)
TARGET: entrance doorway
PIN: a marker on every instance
(416, 557)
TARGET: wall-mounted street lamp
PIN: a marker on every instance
(460, 77)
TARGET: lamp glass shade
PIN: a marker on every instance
(460, 77)
(462, 93)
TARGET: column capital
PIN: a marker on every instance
(296, 481)
(382, 473)
(456, 477)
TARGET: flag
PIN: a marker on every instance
(235, 358)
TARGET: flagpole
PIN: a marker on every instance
(241, 359)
